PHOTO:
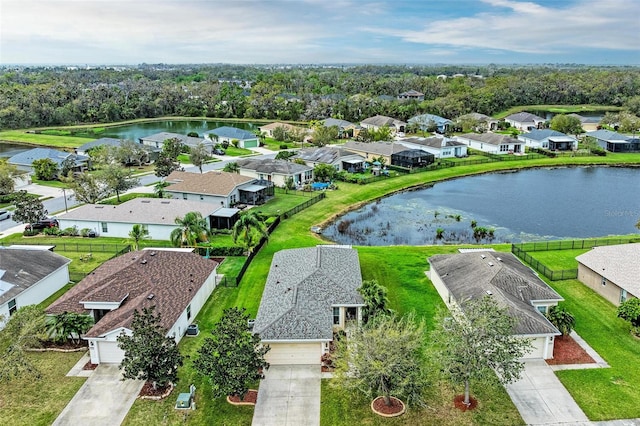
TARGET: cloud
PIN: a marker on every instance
(528, 27)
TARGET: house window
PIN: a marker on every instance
(184, 195)
(604, 281)
(12, 306)
(188, 312)
(623, 295)
(504, 148)
(104, 226)
(336, 316)
(201, 197)
(145, 228)
(542, 309)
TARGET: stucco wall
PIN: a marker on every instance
(593, 280)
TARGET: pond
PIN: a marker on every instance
(135, 131)
(529, 205)
(10, 149)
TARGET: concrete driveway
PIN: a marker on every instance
(541, 398)
(103, 400)
(289, 395)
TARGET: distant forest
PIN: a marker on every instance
(39, 96)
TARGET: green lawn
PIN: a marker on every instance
(22, 136)
(51, 183)
(284, 201)
(232, 151)
(558, 260)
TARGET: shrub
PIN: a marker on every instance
(72, 231)
(561, 319)
(596, 150)
(55, 231)
(283, 146)
(30, 233)
(85, 232)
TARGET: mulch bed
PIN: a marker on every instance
(250, 397)
(90, 366)
(379, 406)
(458, 401)
(568, 351)
(48, 344)
(147, 390)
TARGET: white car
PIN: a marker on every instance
(4, 215)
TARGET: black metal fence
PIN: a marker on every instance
(553, 275)
(300, 207)
(118, 249)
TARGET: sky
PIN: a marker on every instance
(78, 32)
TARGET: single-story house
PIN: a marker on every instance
(412, 158)
(310, 293)
(276, 171)
(439, 147)
(549, 139)
(484, 121)
(219, 188)
(373, 150)
(589, 124)
(24, 160)
(157, 140)
(346, 129)
(615, 142)
(269, 128)
(338, 157)
(467, 276)
(612, 271)
(229, 134)
(151, 151)
(413, 95)
(28, 275)
(157, 215)
(378, 121)
(524, 121)
(494, 143)
(425, 121)
(177, 283)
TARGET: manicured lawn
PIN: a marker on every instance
(113, 201)
(21, 136)
(284, 201)
(558, 259)
(51, 183)
(30, 401)
(232, 151)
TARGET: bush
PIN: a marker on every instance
(223, 251)
(30, 233)
(72, 231)
(85, 232)
(55, 231)
(596, 150)
(284, 146)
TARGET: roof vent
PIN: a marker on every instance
(100, 207)
(482, 256)
(499, 259)
(165, 202)
(146, 201)
(489, 292)
(153, 253)
(490, 264)
(143, 261)
(150, 296)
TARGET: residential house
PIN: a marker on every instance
(525, 121)
(378, 121)
(461, 277)
(413, 95)
(411, 158)
(177, 283)
(615, 142)
(310, 293)
(549, 139)
(484, 121)
(24, 160)
(276, 171)
(28, 275)
(374, 150)
(157, 215)
(427, 122)
(218, 188)
(157, 140)
(589, 124)
(338, 157)
(152, 151)
(346, 129)
(229, 134)
(612, 271)
(438, 146)
(493, 143)
(269, 128)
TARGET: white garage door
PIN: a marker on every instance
(537, 350)
(294, 353)
(109, 352)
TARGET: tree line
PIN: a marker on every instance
(35, 97)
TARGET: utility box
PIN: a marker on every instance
(184, 401)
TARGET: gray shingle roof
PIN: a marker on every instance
(26, 158)
(607, 135)
(433, 142)
(270, 165)
(512, 284)
(477, 116)
(232, 132)
(185, 140)
(302, 286)
(425, 118)
(328, 122)
(325, 154)
(382, 120)
(20, 269)
(491, 138)
(619, 264)
(524, 117)
(379, 148)
(109, 142)
(540, 134)
(160, 211)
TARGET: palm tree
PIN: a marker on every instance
(191, 229)
(159, 187)
(248, 226)
(68, 325)
(137, 234)
(232, 167)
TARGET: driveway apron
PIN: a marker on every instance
(103, 400)
(541, 398)
(289, 395)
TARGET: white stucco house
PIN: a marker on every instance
(28, 275)
(472, 275)
(524, 121)
(177, 283)
(157, 215)
(275, 171)
(230, 134)
(338, 157)
(549, 139)
(378, 121)
(440, 147)
(310, 293)
(493, 143)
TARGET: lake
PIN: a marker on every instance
(135, 131)
(529, 205)
(10, 149)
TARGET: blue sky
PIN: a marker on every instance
(319, 31)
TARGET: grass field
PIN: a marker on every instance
(20, 136)
(558, 109)
(558, 259)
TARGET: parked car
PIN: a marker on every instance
(4, 215)
(41, 224)
(218, 151)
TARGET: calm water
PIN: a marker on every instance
(528, 205)
(135, 131)
(10, 149)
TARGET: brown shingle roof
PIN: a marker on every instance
(210, 183)
(172, 277)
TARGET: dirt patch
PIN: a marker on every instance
(396, 407)
(568, 351)
(149, 392)
(458, 402)
(90, 366)
(250, 398)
